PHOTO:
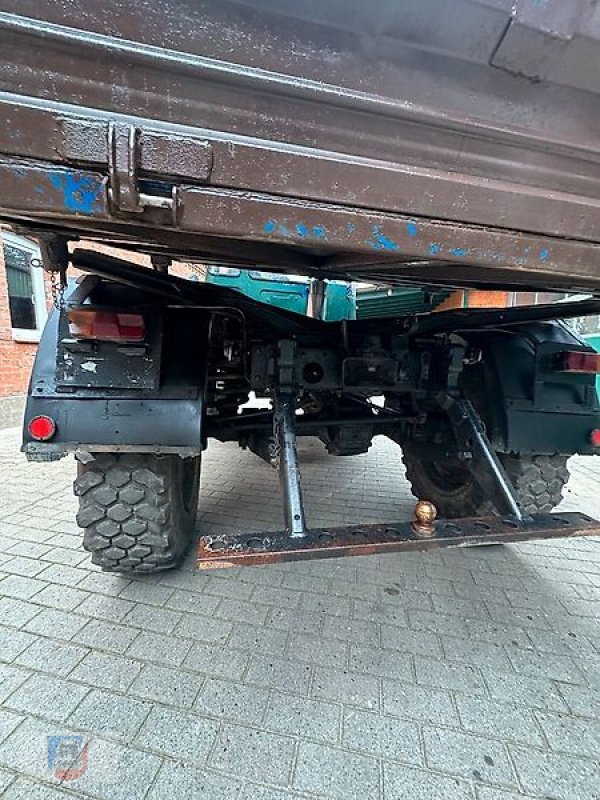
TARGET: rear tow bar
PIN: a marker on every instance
(264, 548)
(297, 542)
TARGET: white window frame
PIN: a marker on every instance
(38, 287)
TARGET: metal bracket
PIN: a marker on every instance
(123, 160)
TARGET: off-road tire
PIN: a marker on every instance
(538, 480)
(137, 511)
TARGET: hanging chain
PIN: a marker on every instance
(57, 289)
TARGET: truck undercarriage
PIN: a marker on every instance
(391, 142)
(137, 369)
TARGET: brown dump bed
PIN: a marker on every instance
(441, 141)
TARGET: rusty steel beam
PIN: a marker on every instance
(225, 550)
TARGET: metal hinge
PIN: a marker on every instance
(132, 149)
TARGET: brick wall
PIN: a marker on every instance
(16, 358)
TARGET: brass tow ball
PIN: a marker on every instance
(425, 514)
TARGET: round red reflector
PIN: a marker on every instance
(595, 437)
(42, 428)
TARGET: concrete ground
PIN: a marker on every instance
(468, 674)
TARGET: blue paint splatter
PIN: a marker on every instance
(459, 252)
(350, 227)
(380, 241)
(434, 249)
(81, 192)
(544, 254)
(301, 230)
(411, 228)
(19, 172)
(319, 232)
(270, 226)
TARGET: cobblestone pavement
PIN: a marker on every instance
(468, 674)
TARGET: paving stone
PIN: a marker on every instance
(13, 642)
(418, 702)
(16, 613)
(11, 677)
(383, 736)
(406, 783)
(166, 685)
(20, 587)
(64, 598)
(235, 610)
(49, 655)
(346, 687)
(317, 650)
(553, 775)
(178, 734)
(182, 782)
(568, 734)
(193, 602)
(159, 649)
(204, 629)
(109, 714)
(27, 567)
(234, 701)
(545, 665)
(216, 660)
(106, 671)
(253, 754)
(47, 696)
(582, 701)
(336, 774)
(116, 772)
(25, 790)
(384, 663)
(55, 623)
(449, 675)
(471, 757)
(101, 606)
(279, 673)
(299, 716)
(106, 636)
(498, 720)
(62, 574)
(145, 592)
(408, 641)
(524, 690)
(9, 720)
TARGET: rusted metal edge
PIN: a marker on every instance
(258, 79)
(78, 135)
(224, 550)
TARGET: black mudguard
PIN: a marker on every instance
(528, 406)
(162, 419)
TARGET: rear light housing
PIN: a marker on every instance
(42, 428)
(578, 361)
(595, 437)
(106, 326)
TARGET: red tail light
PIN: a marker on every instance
(595, 437)
(577, 361)
(42, 428)
(106, 326)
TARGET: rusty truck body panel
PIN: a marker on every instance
(445, 141)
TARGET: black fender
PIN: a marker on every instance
(528, 406)
(164, 416)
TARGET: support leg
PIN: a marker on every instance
(287, 464)
(481, 458)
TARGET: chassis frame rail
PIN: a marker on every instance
(224, 550)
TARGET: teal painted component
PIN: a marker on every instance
(388, 302)
(593, 340)
(285, 291)
(342, 300)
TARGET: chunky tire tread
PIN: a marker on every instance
(133, 512)
(539, 482)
